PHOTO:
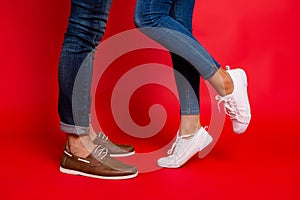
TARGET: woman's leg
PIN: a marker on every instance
(174, 20)
(186, 76)
(155, 20)
(153, 17)
(158, 20)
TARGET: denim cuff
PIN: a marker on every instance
(72, 129)
(215, 68)
(190, 112)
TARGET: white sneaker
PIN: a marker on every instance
(184, 148)
(237, 105)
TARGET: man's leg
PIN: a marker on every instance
(86, 27)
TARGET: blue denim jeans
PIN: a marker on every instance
(86, 27)
(169, 22)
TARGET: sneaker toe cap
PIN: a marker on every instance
(240, 128)
(167, 163)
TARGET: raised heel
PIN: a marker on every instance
(243, 74)
(208, 140)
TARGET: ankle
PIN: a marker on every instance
(80, 146)
(189, 130)
(189, 124)
(222, 82)
(92, 133)
(228, 83)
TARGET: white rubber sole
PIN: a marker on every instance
(247, 118)
(122, 155)
(243, 74)
(74, 172)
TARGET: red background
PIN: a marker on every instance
(261, 36)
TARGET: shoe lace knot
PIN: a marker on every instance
(229, 106)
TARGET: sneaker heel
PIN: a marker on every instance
(243, 74)
(207, 141)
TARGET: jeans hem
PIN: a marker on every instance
(72, 129)
(191, 112)
(215, 68)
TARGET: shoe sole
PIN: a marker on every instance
(207, 141)
(244, 77)
(74, 172)
(242, 73)
(122, 154)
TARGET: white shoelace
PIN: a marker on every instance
(229, 106)
(179, 140)
(100, 151)
(102, 135)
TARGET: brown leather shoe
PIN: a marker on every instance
(115, 150)
(98, 164)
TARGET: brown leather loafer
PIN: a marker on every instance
(115, 150)
(98, 164)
